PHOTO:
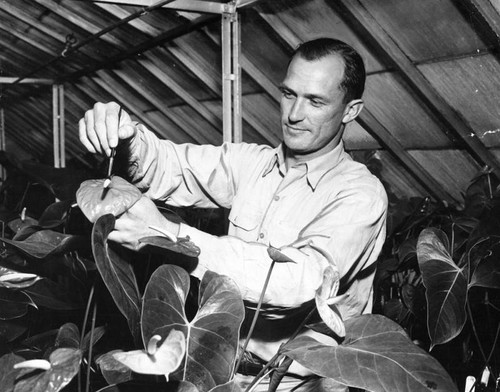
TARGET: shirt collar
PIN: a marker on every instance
(316, 168)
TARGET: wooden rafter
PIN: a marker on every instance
(369, 122)
(488, 14)
(371, 31)
(200, 135)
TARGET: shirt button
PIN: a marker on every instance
(261, 235)
(276, 198)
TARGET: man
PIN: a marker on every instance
(306, 197)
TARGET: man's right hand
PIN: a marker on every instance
(101, 129)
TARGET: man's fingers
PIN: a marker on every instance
(90, 132)
(112, 123)
(101, 127)
(82, 131)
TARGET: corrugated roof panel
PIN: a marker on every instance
(471, 86)
(401, 113)
(453, 169)
(321, 21)
(425, 29)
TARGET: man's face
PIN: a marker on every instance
(312, 108)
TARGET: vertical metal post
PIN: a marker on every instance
(236, 36)
(55, 124)
(58, 125)
(62, 131)
(231, 75)
(3, 172)
(227, 126)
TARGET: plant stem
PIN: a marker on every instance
(86, 315)
(254, 320)
(82, 334)
(278, 354)
(469, 310)
(89, 360)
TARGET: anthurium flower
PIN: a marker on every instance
(326, 299)
(96, 200)
(159, 360)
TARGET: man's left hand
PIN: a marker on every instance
(137, 223)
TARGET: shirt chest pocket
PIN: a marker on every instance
(245, 217)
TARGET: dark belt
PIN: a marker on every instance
(248, 368)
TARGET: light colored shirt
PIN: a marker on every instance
(331, 201)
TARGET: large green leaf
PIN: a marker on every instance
(446, 287)
(64, 365)
(487, 272)
(376, 356)
(117, 273)
(212, 334)
(45, 243)
(52, 295)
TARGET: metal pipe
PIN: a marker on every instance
(236, 81)
(92, 38)
(62, 133)
(227, 132)
(55, 124)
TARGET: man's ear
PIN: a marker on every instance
(352, 110)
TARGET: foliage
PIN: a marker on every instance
(141, 314)
(438, 278)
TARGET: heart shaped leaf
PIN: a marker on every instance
(213, 333)
(446, 287)
(487, 272)
(45, 243)
(52, 295)
(117, 273)
(376, 356)
(64, 365)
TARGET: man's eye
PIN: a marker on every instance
(287, 94)
(316, 103)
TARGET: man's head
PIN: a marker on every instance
(320, 94)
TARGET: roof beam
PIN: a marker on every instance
(368, 28)
(153, 64)
(369, 122)
(209, 7)
(200, 135)
(489, 15)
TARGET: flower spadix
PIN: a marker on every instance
(158, 360)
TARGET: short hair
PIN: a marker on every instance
(353, 83)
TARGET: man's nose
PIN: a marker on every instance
(296, 112)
